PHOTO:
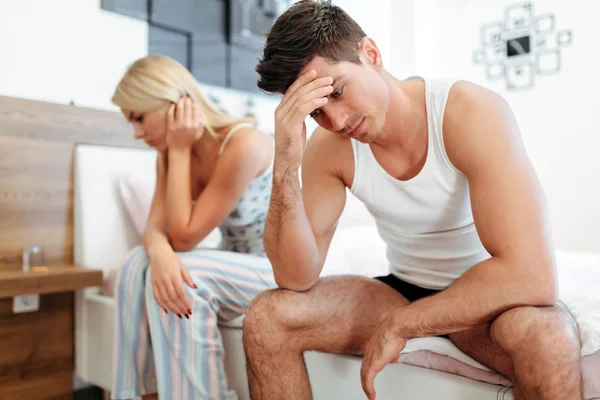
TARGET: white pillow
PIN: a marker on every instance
(137, 194)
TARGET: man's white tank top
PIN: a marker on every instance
(425, 221)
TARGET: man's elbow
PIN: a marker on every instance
(543, 285)
(548, 296)
(295, 285)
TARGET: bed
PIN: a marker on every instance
(429, 368)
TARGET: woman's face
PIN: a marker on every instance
(150, 126)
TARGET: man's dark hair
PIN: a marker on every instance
(307, 29)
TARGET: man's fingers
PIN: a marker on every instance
(298, 83)
(315, 84)
(372, 368)
(307, 108)
(367, 381)
(309, 89)
(304, 105)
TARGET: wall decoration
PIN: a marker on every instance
(521, 46)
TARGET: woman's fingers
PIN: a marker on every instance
(173, 298)
(187, 278)
(182, 300)
(160, 296)
(188, 112)
(171, 115)
(180, 111)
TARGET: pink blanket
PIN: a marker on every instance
(442, 355)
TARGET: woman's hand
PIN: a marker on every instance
(184, 126)
(168, 274)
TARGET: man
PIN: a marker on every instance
(442, 168)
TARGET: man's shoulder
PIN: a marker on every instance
(466, 96)
(472, 112)
(327, 151)
(322, 141)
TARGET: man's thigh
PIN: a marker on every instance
(479, 345)
(338, 315)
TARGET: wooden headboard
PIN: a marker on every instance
(36, 169)
(36, 208)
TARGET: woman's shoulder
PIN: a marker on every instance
(246, 135)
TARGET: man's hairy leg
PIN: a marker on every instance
(537, 348)
(338, 315)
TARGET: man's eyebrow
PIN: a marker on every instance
(338, 78)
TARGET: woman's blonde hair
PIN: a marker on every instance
(156, 81)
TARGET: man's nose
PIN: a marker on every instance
(337, 118)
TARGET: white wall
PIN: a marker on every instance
(558, 117)
(402, 17)
(63, 50)
(374, 18)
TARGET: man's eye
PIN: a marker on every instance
(315, 114)
(337, 93)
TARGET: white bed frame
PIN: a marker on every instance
(103, 234)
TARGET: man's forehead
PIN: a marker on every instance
(321, 66)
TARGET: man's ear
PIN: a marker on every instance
(369, 52)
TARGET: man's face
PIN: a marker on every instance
(357, 105)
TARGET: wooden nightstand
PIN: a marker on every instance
(48, 279)
(36, 348)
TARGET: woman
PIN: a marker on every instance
(212, 171)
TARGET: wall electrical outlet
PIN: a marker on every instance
(26, 303)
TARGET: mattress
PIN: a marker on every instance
(579, 274)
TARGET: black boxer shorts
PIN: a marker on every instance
(408, 290)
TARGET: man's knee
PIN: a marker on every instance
(536, 333)
(264, 316)
(272, 316)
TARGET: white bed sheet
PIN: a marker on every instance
(579, 275)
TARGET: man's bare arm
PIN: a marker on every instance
(509, 209)
(289, 240)
(301, 222)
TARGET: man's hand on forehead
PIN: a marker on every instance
(306, 91)
(305, 95)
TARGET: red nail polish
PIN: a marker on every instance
(166, 312)
(179, 315)
(190, 312)
(187, 316)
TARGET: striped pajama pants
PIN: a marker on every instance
(156, 352)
